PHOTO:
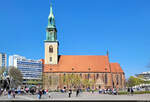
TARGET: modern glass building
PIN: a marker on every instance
(145, 75)
(30, 69)
(3, 60)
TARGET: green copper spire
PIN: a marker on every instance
(51, 18)
(51, 31)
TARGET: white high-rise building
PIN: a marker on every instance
(30, 69)
(3, 60)
(13, 60)
(145, 75)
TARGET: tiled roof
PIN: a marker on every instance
(79, 63)
(115, 67)
(82, 63)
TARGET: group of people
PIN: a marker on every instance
(77, 92)
(10, 93)
(48, 92)
(40, 92)
(130, 90)
(112, 91)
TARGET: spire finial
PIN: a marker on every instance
(107, 53)
(51, 15)
(51, 10)
(51, 18)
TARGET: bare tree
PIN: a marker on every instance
(2, 69)
(15, 77)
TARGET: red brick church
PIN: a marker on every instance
(71, 71)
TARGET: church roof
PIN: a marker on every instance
(80, 63)
(115, 67)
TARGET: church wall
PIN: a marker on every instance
(54, 80)
(119, 80)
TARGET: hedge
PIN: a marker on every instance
(136, 92)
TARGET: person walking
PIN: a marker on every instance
(128, 91)
(131, 91)
(70, 92)
(77, 92)
(5, 92)
(92, 90)
(13, 93)
(9, 94)
(49, 94)
(0, 92)
(39, 94)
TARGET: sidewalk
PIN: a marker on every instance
(82, 96)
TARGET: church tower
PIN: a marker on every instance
(51, 43)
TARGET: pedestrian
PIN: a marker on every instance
(131, 91)
(128, 91)
(39, 94)
(9, 94)
(43, 92)
(92, 90)
(5, 92)
(13, 93)
(114, 91)
(49, 94)
(70, 92)
(100, 91)
(77, 92)
(0, 92)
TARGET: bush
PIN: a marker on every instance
(136, 92)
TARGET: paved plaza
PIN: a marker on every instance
(82, 96)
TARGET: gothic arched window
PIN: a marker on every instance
(51, 49)
(106, 79)
(64, 77)
(117, 78)
(121, 79)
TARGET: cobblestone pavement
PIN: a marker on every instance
(82, 96)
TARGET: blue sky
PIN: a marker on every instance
(85, 27)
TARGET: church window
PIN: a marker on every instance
(117, 78)
(50, 59)
(121, 79)
(106, 79)
(64, 77)
(51, 49)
